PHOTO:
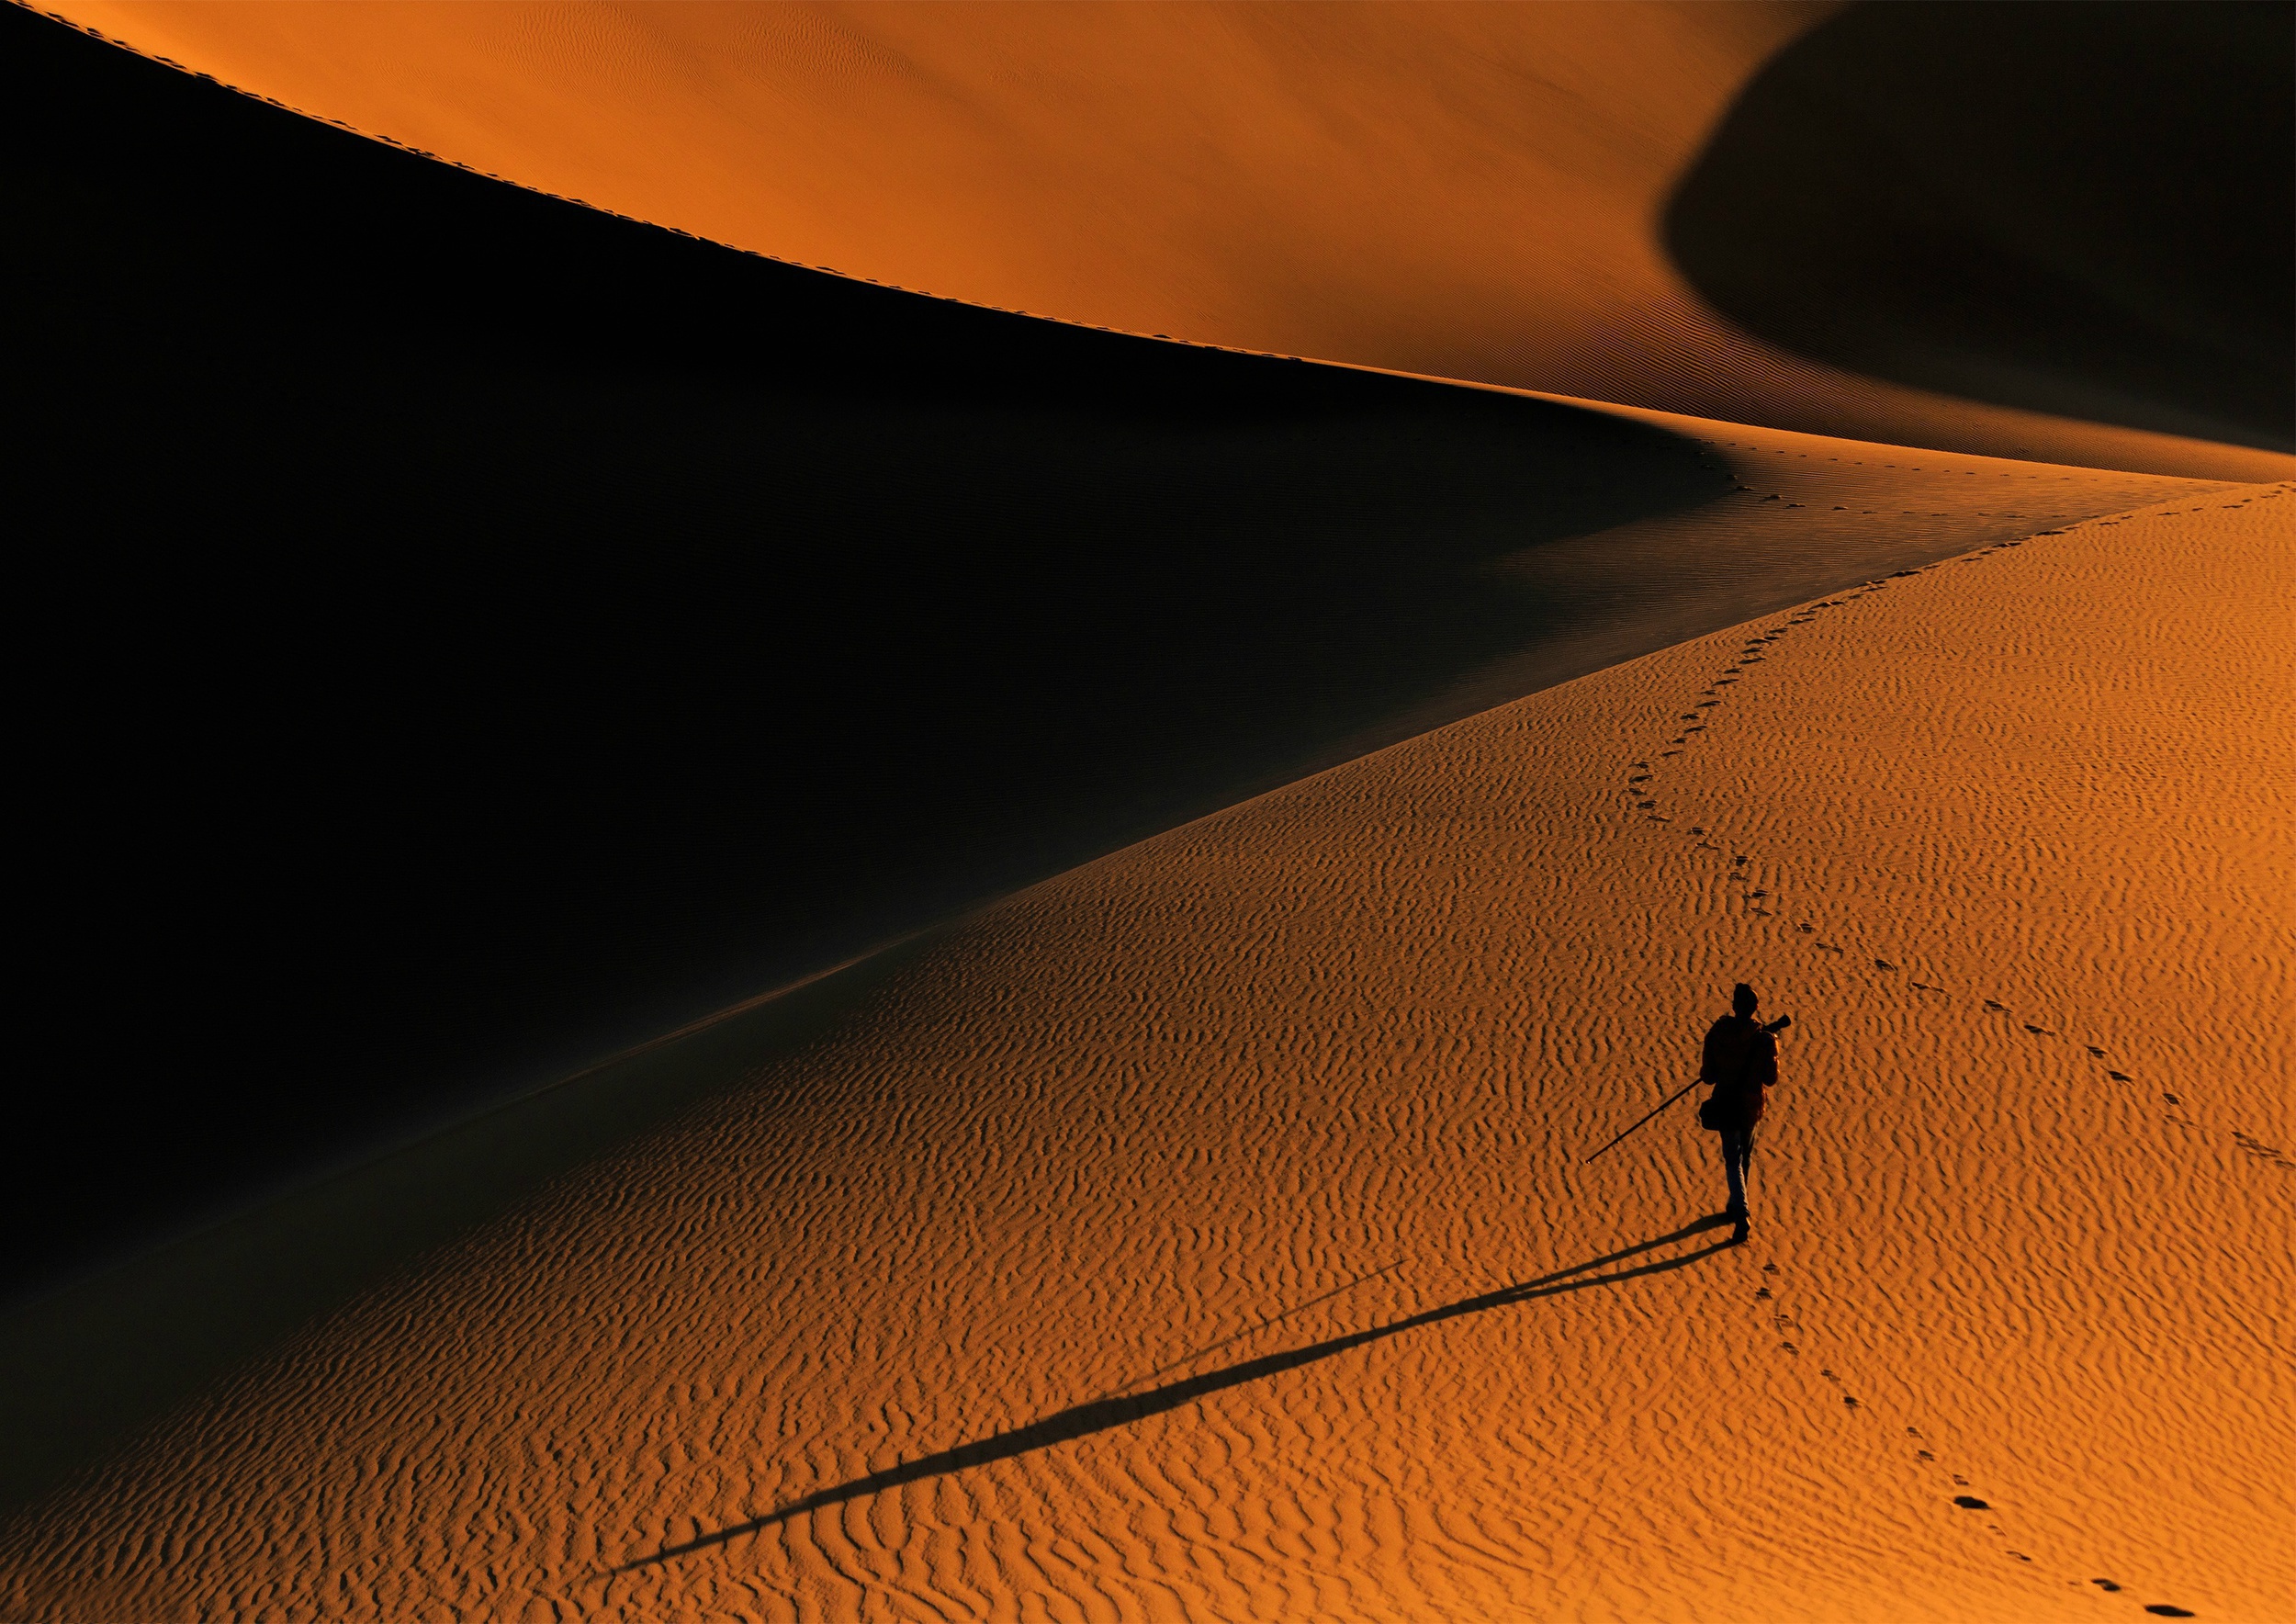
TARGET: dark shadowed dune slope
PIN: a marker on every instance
(2083, 209)
(468, 631)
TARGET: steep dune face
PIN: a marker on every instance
(2084, 211)
(479, 602)
(1461, 191)
(472, 604)
(509, 629)
(1206, 1233)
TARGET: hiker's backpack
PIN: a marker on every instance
(1723, 1065)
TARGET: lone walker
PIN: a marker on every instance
(1740, 1063)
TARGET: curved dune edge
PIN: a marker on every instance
(1204, 1232)
(1201, 172)
(979, 596)
(2087, 213)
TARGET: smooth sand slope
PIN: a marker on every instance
(1950, 195)
(1204, 1233)
(478, 633)
(1469, 191)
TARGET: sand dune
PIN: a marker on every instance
(1466, 191)
(475, 631)
(480, 600)
(1947, 196)
(1204, 1233)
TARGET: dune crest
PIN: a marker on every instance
(1204, 1232)
(1459, 191)
(598, 626)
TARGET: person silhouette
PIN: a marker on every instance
(1739, 1062)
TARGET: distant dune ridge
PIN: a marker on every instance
(1949, 196)
(1126, 876)
(1460, 190)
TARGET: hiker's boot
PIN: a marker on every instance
(1739, 1234)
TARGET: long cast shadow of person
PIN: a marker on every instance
(1121, 1409)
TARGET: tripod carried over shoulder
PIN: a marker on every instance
(1780, 1024)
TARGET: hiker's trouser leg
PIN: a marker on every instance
(1737, 1153)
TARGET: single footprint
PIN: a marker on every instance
(2039, 1032)
(1740, 861)
(2104, 1585)
(2172, 1099)
(2120, 1076)
(2165, 1610)
(1884, 964)
(1750, 895)
(1849, 1401)
(1770, 1268)
(1970, 1502)
(1696, 830)
(1762, 1295)
(1991, 1005)
(2093, 1049)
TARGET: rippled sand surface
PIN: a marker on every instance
(1206, 1233)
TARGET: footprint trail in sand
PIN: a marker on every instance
(1201, 1234)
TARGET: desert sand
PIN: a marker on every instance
(1205, 1233)
(1133, 877)
(481, 597)
(1462, 191)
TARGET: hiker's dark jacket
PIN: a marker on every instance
(1740, 1061)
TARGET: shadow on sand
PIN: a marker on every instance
(1103, 1415)
(2082, 211)
(594, 626)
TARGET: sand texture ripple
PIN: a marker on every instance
(1205, 1233)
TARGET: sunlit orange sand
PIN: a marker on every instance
(1205, 1233)
(1208, 1231)
(1465, 191)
